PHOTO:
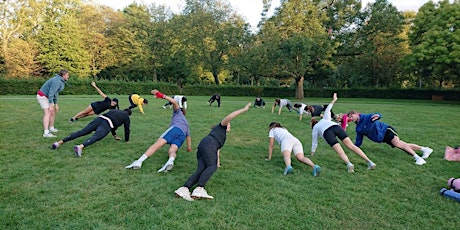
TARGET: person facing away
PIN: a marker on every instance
(181, 100)
(207, 157)
(317, 110)
(329, 130)
(97, 107)
(101, 126)
(259, 102)
(282, 103)
(177, 133)
(369, 125)
(301, 109)
(47, 97)
(135, 100)
(215, 97)
(289, 143)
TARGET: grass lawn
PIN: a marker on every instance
(45, 189)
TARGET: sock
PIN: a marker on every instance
(171, 160)
(349, 163)
(424, 149)
(52, 127)
(416, 156)
(46, 131)
(142, 158)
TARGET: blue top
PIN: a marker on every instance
(178, 120)
(52, 87)
(374, 130)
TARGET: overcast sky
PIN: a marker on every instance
(250, 9)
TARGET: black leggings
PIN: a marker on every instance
(207, 163)
(331, 134)
(99, 125)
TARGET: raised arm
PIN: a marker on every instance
(98, 90)
(158, 94)
(233, 114)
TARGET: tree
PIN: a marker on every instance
(435, 42)
(299, 41)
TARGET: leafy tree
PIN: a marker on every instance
(61, 38)
(435, 42)
(298, 40)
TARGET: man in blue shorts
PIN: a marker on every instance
(177, 133)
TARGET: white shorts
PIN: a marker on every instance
(293, 145)
(43, 101)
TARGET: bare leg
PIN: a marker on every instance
(46, 118)
(403, 145)
(347, 141)
(233, 114)
(301, 157)
(52, 116)
(84, 113)
(338, 149)
(287, 157)
(153, 148)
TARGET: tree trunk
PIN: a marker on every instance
(216, 78)
(299, 88)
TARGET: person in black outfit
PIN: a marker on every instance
(97, 107)
(259, 102)
(215, 97)
(207, 156)
(102, 125)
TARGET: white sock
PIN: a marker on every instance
(416, 156)
(46, 131)
(143, 158)
(52, 127)
(171, 160)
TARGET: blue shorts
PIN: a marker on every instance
(174, 135)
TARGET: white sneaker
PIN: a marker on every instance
(49, 135)
(427, 153)
(135, 165)
(77, 150)
(164, 107)
(54, 130)
(200, 193)
(351, 168)
(166, 168)
(184, 192)
(55, 145)
(420, 161)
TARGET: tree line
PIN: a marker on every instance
(304, 43)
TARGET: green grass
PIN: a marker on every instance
(45, 189)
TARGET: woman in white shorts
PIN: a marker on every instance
(289, 144)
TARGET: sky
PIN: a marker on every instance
(250, 9)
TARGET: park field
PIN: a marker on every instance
(42, 188)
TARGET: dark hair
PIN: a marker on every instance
(184, 99)
(146, 101)
(296, 105)
(274, 124)
(63, 72)
(313, 122)
(183, 111)
(277, 100)
(128, 111)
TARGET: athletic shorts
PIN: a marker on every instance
(292, 144)
(43, 101)
(389, 135)
(331, 134)
(174, 135)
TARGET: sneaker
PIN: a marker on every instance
(164, 107)
(184, 192)
(427, 153)
(166, 168)
(72, 119)
(316, 170)
(55, 145)
(77, 150)
(200, 193)
(54, 130)
(351, 168)
(287, 170)
(49, 135)
(420, 161)
(371, 165)
(135, 165)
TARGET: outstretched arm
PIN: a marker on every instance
(98, 90)
(233, 114)
(158, 94)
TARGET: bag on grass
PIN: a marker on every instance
(452, 154)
